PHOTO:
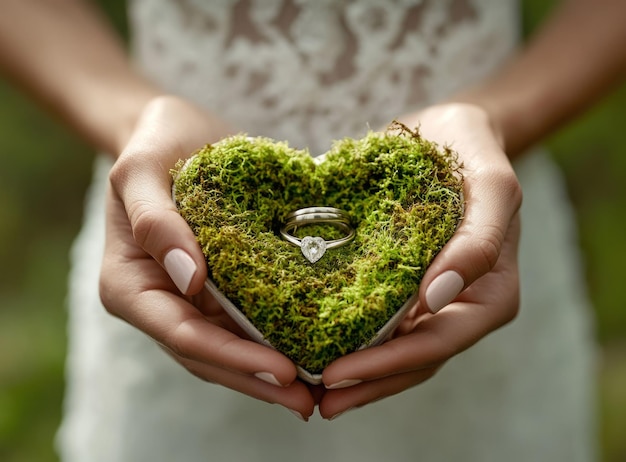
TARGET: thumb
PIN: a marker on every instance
(493, 197)
(168, 130)
(141, 180)
(156, 225)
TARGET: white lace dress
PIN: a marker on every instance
(310, 72)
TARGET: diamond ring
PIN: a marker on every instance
(314, 247)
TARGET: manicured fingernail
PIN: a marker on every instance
(181, 268)
(268, 377)
(298, 415)
(443, 290)
(344, 384)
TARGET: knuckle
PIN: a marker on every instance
(144, 219)
(487, 248)
(132, 164)
(502, 181)
(174, 344)
(146, 214)
(120, 171)
(177, 341)
(511, 189)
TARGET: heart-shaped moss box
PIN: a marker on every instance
(404, 198)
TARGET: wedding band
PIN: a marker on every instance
(314, 247)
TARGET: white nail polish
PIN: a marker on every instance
(344, 384)
(268, 377)
(181, 268)
(443, 290)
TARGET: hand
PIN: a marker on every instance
(153, 270)
(472, 286)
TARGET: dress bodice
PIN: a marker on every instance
(313, 71)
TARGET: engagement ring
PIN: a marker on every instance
(314, 247)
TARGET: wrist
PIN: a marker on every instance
(506, 113)
(107, 119)
(464, 114)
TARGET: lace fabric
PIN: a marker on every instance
(310, 72)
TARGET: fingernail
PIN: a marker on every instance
(443, 290)
(268, 377)
(344, 384)
(181, 268)
(298, 415)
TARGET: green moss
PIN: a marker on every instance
(404, 197)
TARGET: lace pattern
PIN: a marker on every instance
(310, 72)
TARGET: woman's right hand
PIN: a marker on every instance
(470, 289)
(153, 269)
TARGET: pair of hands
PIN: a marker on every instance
(153, 270)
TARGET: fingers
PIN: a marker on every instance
(219, 356)
(296, 396)
(188, 335)
(134, 287)
(215, 354)
(435, 340)
(337, 402)
(405, 361)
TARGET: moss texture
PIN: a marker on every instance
(404, 197)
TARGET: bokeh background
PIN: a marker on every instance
(44, 172)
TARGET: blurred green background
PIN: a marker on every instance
(45, 171)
